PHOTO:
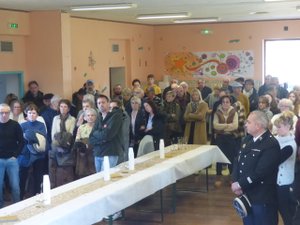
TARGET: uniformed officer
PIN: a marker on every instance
(255, 171)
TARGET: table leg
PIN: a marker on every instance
(174, 193)
(161, 206)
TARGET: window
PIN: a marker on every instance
(282, 60)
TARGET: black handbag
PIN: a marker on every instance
(64, 139)
(63, 157)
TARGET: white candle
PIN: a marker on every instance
(46, 190)
(161, 149)
(130, 159)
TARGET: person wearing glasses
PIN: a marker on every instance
(11, 144)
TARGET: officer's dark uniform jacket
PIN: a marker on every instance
(256, 167)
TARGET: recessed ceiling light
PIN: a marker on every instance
(162, 16)
(104, 7)
(198, 20)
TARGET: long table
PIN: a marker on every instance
(88, 200)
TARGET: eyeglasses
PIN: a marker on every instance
(4, 113)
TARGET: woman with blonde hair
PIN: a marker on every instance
(286, 170)
(284, 105)
(137, 123)
(195, 118)
(83, 153)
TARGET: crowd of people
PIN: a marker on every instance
(68, 139)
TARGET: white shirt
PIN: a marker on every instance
(286, 169)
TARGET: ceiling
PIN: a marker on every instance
(226, 10)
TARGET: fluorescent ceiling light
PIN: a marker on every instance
(197, 20)
(258, 13)
(162, 16)
(104, 7)
(274, 0)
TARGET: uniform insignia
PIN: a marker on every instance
(244, 145)
(256, 150)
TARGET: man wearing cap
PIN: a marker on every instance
(238, 94)
(90, 88)
(255, 171)
(11, 144)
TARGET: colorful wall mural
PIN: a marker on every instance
(210, 64)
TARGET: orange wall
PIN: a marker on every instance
(176, 38)
(44, 51)
(16, 60)
(96, 37)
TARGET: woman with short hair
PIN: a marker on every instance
(61, 161)
(33, 153)
(225, 126)
(137, 123)
(85, 165)
(284, 105)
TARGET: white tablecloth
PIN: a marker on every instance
(91, 207)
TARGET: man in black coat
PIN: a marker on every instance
(251, 93)
(255, 171)
(11, 144)
(106, 136)
(205, 90)
(34, 94)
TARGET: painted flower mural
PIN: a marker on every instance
(234, 63)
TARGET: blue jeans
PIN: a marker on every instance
(113, 160)
(11, 167)
(261, 215)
